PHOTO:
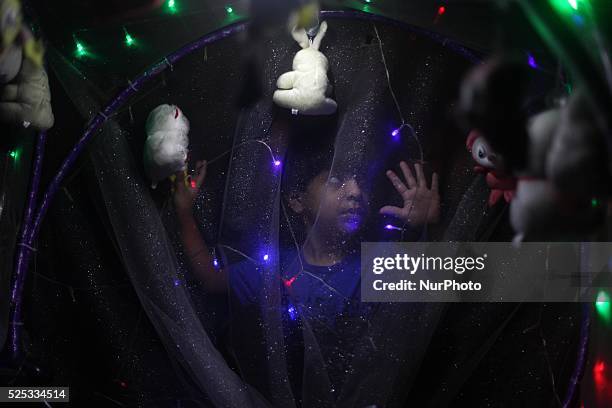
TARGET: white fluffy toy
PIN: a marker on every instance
(306, 89)
(166, 147)
(25, 97)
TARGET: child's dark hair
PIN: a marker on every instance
(310, 151)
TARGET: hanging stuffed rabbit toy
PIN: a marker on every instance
(25, 98)
(166, 147)
(305, 90)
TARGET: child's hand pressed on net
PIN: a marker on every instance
(186, 189)
(421, 204)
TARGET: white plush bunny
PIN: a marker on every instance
(165, 150)
(305, 90)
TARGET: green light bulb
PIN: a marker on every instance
(229, 9)
(602, 304)
(129, 40)
(80, 49)
(14, 154)
(172, 6)
(572, 8)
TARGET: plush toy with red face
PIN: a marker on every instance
(491, 164)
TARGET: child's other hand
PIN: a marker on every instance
(421, 204)
(186, 189)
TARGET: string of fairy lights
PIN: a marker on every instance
(172, 7)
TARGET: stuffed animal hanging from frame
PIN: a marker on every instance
(167, 143)
(306, 89)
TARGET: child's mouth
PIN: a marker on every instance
(351, 216)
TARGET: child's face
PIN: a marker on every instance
(339, 202)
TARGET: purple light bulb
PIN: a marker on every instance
(531, 61)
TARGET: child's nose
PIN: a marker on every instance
(351, 188)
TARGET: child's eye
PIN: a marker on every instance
(334, 181)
